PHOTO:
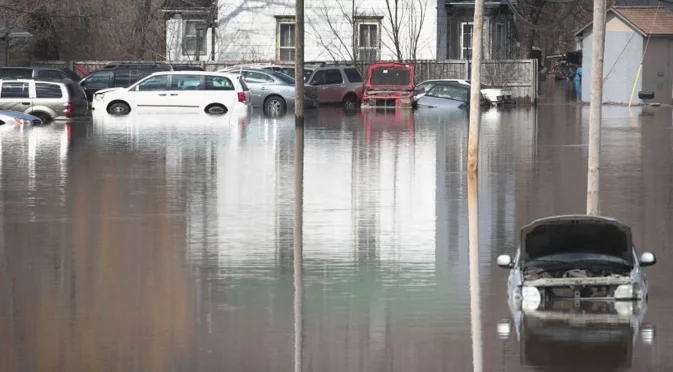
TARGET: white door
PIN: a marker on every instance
(186, 91)
(219, 90)
(151, 93)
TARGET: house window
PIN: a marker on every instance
(194, 41)
(368, 41)
(286, 41)
(466, 40)
(500, 41)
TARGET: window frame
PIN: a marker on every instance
(43, 84)
(500, 40)
(200, 86)
(185, 37)
(462, 39)
(280, 22)
(368, 21)
(2, 89)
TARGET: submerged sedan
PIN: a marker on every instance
(17, 120)
(448, 95)
(576, 257)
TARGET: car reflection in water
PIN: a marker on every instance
(589, 335)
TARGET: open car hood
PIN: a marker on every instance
(390, 76)
(576, 233)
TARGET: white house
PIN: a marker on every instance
(263, 30)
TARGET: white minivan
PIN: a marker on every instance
(215, 93)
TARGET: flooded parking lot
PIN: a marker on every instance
(164, 242)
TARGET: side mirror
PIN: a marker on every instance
(421, 90)
(647, 259)
(505, 261)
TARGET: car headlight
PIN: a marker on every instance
(531, 298)
(628, 292)
(22, 121)
(99, 97)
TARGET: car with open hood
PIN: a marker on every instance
(388, 85)
(576, 257)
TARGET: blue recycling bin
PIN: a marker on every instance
(577, 80)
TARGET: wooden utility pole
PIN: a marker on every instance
(299, 61)
(475, 287)
(596, 104)
(475, 87)
(299, 186)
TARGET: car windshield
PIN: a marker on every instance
(282, 77)
(390, 76)
(307, 75)
(449, 91)
(576, 258)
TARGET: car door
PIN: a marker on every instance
(219, 89)
(95, 82)
(186, 91)
(259, 86)
(318, 81)
(15, 96)
(151, 92)
(334, 85)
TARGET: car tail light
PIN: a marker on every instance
(68, 110)
(241, 97)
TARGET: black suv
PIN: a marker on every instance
(119, 75)
(50, 73)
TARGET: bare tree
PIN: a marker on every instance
(403, 27)
(341, 25)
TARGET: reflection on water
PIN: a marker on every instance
(164, 243)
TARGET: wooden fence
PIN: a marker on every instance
(520, 76)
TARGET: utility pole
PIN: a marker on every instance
(596, 105)
(299, 62)
(298, 185)
(475, 88)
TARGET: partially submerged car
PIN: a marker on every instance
(496, 96)
(448, 95)
(576, 257)
(389, 85)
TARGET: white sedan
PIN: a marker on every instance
(214, 93)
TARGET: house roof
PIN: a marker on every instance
(646, 20)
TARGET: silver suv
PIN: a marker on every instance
(49, 100)
(336, 84)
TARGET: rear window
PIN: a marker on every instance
(75, 91)
(51, 74)
(390, 76)
(218, 83)
(449, 91)
(244, 86)
(43, 90)
(283, 77)
(17, 73)
(14, 90)
(353, 75)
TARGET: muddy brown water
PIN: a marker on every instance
(164, 242)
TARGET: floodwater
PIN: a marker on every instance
(164, 242)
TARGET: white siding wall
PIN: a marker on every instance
(623, 53)
(247, 28)
(174, 33)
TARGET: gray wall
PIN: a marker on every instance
(657, 70)
(623, 53)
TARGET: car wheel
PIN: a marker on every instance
(43, 116)
(349, 102)
(275, 106)
(216, 109)
(119, 108)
